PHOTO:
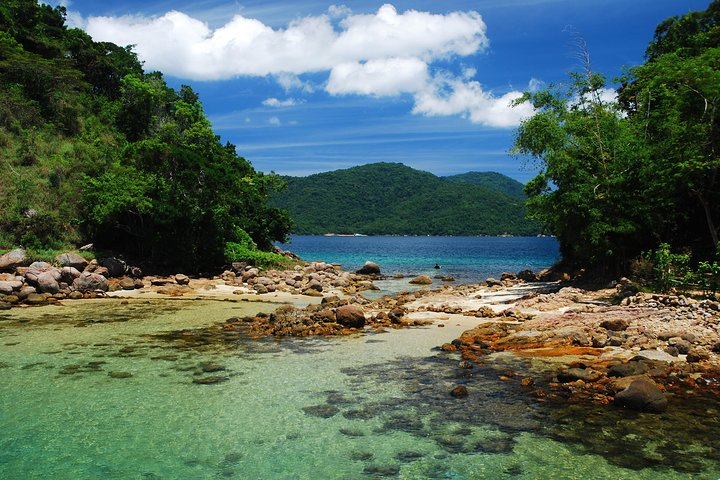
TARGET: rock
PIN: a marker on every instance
(585, 374)
(351, 316)
(72, 260)
(315, 285)
(120, 374)
(127, 283)
(11, 299)
(491, 282)
(507, 276)
(421, 280)
(182, 279)
(627, 369)
(370, 268)
(115, 266)
(615, 325)
(87, 282)
(696, 355)
(528, 276)
(643, 395)
(69, 274)
(657, 355)
(25, 291)
(6, 288)
(36, 299)
(460, 391)
(682, 346)
(13, 259)
(5, 305)
(322, 411)
(75, 295)
(48, 281)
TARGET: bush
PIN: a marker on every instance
(669, 269)
(245, 250)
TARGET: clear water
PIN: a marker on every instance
(468, 259)
(353, 408)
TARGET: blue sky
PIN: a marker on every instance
(307, 86)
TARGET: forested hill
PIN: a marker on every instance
(391, 198)
(94, 149)
(492, 181)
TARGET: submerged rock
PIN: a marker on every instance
(644, 395)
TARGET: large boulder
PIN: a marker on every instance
(69, 274)
(72, 260)
(351, 316)
(47, 282)
(87, 282)
(370, 268)
(13, 259)
(643, 395)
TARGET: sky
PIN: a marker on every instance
(307, 86)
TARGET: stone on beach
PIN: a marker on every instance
(72, 260)
(13, 259)
(370, 268)
(87, 282)
(351, 316)
(421, 280)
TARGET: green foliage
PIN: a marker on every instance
(669, 269)
(96, 150)
(390, 198)
(243, 249)
(618, 179)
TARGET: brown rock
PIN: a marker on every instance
(36, 299)
(644, 395)
(350, 316)
(182, 279)
(421, 280)
(370, 268)
(460, 391)
(72, 260)
(615, 325)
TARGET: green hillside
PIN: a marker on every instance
(492, 181)
(94, 149)
(393, 199)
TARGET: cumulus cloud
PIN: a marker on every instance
(385, 53)
(451, 96)
(274, 102)
(385, 77)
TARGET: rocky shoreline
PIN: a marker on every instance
(606, 346)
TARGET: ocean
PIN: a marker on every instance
(465, 259)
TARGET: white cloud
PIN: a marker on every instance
(386, 77)
(274, 102)
(339, 11)
(451, 96)
(274, 121)
(385, 53)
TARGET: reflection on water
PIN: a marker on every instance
(159, 390)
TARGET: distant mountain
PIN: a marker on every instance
(491, 180)
(393, 199)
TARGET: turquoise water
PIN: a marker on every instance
(468, 259)
(355, 407)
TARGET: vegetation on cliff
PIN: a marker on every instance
(623, 177)
(391, 198)
(94, 149)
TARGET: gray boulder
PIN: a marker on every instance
(87, 282)
(182, 279)
(69, 274)
(6, 288)
(72, 260)
(643, 395)
(13, 259)
(351, 316)
(370, 268)
(47, 282)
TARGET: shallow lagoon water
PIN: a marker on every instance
(354, 407)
